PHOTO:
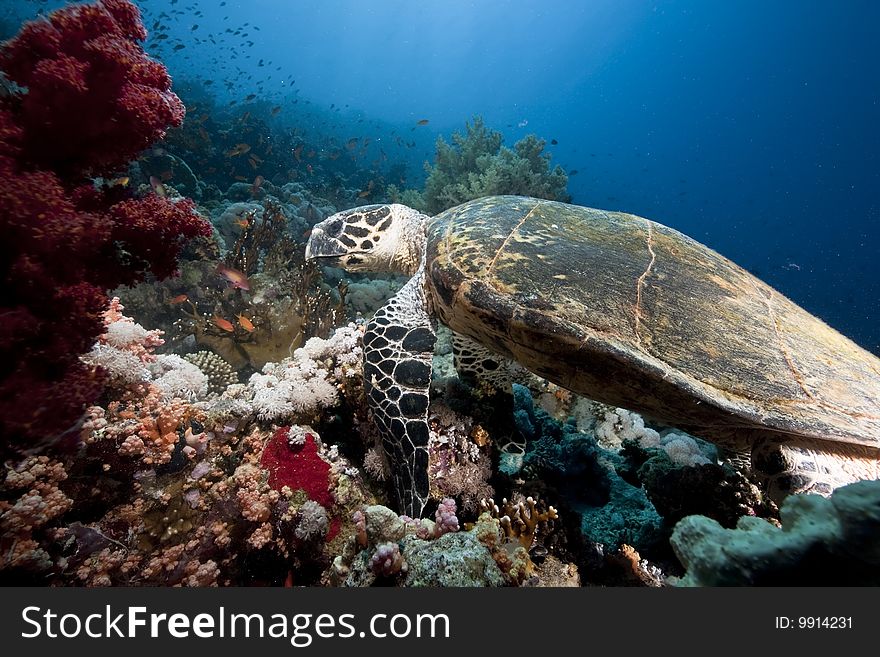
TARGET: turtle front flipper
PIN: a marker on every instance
(398, 348)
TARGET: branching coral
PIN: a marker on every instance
(520, 520)
(297, 387)
(36, 481)
(476, 164)
(387, 560)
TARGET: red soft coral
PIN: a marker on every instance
(298, 467)
(87, 60)
(93, 100)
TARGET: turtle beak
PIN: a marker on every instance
(321, 245)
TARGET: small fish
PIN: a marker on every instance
(236, 278)
(179, 46)
(180, 298)
(246, 324)
(309, 168)
(422, 122)
(239, 149)
(223, 324)
(256, 186)
(573, 172)
(553, 142)
(523, 123)
(251, 97)
(352, 143)
(157, 186)
(297, 153)
(119, 182)
(276, 110)
(242, 222)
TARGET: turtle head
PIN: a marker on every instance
(375, 238)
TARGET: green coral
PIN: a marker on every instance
(412, 198)
(476, 164)
(822, 541)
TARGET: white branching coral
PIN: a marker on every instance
(177, 377)
(310, 380)
(123, 368)
(125, 348)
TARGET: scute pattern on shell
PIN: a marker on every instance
(633, 313)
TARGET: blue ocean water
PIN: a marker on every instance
(751, 126)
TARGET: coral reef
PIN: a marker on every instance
(822, 541)
(411, 552)
(458, 465)
(476, 164)
(214, 431)
(521, 520)
(311, 379)
(220, 373)
(93, 99)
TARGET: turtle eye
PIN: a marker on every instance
(335, 228)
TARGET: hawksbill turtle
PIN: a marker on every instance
(616, 308)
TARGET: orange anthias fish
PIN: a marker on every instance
(224, 324)
(239, 149)
(256, 186)
(180, 298)
(236, 278)
(246, 324)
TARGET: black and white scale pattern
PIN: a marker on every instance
(398, 348)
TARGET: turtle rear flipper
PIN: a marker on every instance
(487, 368)
(791, 465)
(398, 348)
